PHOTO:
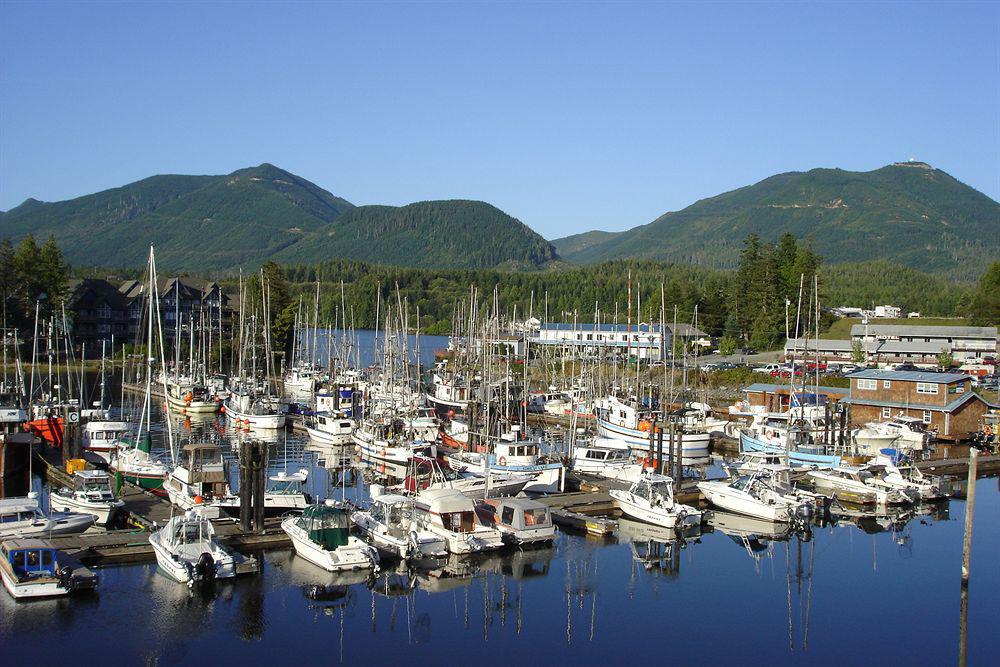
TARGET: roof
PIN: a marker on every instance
(771, 388)
(91, 474)
(93, 292)
(390, 499)
(909, 376)
(640, 328)
(950, 407)
(446, 500)
(923, 330)
(523, 503)
(870, 346)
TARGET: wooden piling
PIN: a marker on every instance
(970, 507)
(659, 449)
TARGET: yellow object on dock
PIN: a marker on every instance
(73, 465)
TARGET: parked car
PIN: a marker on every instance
(905, 366)
(768, 368)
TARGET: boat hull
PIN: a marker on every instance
(355, 555)
(693, 445)
(684, 517)
(722, 496)
(749, 444)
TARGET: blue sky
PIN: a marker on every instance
(568, 116)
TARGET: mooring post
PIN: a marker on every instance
(260, 484)
(970, 508)
(246, 486)
(659, 448)
(679, 458)
(652, 435)
(670, 451)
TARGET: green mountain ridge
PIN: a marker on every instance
(908, 213)
(261, 213)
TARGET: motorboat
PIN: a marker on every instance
(515, 456)
(330, 428)
(188, 551)
(637, 426)
(520, 520)
(651, 499)
(900, 473)
(388, 440)
(322, 536)
(796, 455)
(22, 517)
(757, 494)
(609, 458)
(199, 479)
(389, 524)
(33, 568)
(425, 472)
(901, 432)
(285, 492)
(861, 485)
(451, 515)
(91, 494)
(248, 410)
(102, 436)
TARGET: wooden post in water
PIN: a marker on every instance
(659, 449)
(970, 507)
(652, 449)
(679, 458)
(246, 487)
(670, 450)
(260, 484)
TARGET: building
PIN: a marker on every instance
(889, 312)
(99, 312)
(944, 402)
(780, 397)
(642, 341)
(960, 342)
(181, 301)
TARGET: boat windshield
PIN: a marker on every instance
(740, 482)
(191, 532)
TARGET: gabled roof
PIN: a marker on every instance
(950, 407)
(94, 292)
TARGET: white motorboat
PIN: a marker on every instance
(425, 472)
(188, 551)
(32, 568)
(285, 493)
(322, 535)
(101, 436)
(861, 485)
(610, 458)
(247, 410)
(91, 494)
(452, 516)
(870, 438)
(22, 517)
(330, 428)
(651, 499)
(389, 524)
(900, 473)
(902, 432)
(756, 494)
(520, 520)
(199, 479)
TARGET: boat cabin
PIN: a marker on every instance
(94, 484)
(515, 513)
(519, 453)
(657, 489)
(31, 559)
(393, 511)
(287, 484)
(202, 463)
(329, 525)
(448, 508)
(190, 529)
(15, 510)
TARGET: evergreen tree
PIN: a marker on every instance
(985, 306)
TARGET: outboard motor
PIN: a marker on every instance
(66, 577)
(205, 568)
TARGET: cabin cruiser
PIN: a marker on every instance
(759, 495)
(389, 524)
(33, 568)
(91, 494)
(451, 515)
(651, 499)
(609, 458)
(248, 410)
(902, 432)
(515, 457)
(902, 474)
(388, 440)
(101, 436)
(188, 551)
(199, 479)
(22, 517)
(861, 485)
(628, 421)
(285, 492)
(322, 535)
(330, 428)
(430, 473)
(519, 520)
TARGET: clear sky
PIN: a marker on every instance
(569, 116)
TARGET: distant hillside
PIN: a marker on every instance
(442, 234)
(221, 223)
(906, 213)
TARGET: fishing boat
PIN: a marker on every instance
(198, 479)
(22, 517)
(387, 439)
(102, 436)
(797, 455)
(450, 392)
(322, 535)
(651, 499)
(186, 396)
(758, 495)
(389, 524)
(425, 472)
(330, 428)
(861, 485)
(520, 520)
(91, 494)
(632, 423)
(609, 458)
(451, 515)
(250, 410)
(33, 568)
(515, 456)
(188, 551)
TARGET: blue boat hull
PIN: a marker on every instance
(749, 444)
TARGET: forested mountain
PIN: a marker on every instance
(443, 234)
(907, 213)
(224, 223)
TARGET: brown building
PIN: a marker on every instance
(944, 402)
(778, 397)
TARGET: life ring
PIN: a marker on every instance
(644, 426)
(502, 461)
(987, 430)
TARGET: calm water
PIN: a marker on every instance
(869, 594)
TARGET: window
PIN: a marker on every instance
(867, 384)
(507, 516)
(886, 384)
(886, 413)
(927, 388)
(927, 416)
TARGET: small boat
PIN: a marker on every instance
(758, 495)
(102, 436)
(188, 397)
(909, 433)
(450, 514)
(285, 493)
(425, 472)
(137, 466)
(609, 458)
(861, 485)
(389, 524)
(330, 428)
(33, 568)
(322, 535)
(520, 520)
(797, 456)
(91, 494)
(22, 517)
(900, 473)
(199, 479)
(631, 422)
(248, 410)
(188, 551)
(388, 440)
(515, 456)
(651, 499)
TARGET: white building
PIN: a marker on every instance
(890, 312)
(643, 340)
